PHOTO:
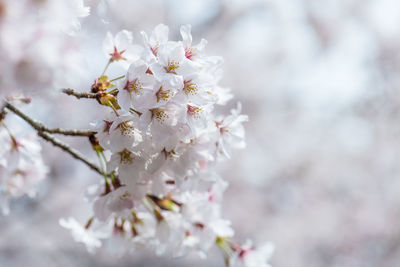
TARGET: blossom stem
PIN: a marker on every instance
(113, 108)
(118, 78)
(89, 223)
(111, 175)
(103, 156)
(102, 167)
(146, 204)
(113, 91)
(105, 69)
(222, 244)
(8, 132)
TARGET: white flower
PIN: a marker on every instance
(21, 166)
(136, 84)
(166, 90)
(168, 233)
(119, 201)
(158, 37)
(119, 47)
(145, 225)
(223, 95)
(90, 238)
(191, 52)
(165, 124)
(124, 133)
(198, 89)
(232, 131)
(102, 127)
(197, 118)
(130, 165)
(76, 10)
(171, 61)
(150, 95)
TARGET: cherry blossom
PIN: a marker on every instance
(91, 239)
(115, 47)
(250, 256)
(165, 141)
(21, 166)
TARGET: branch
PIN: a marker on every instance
(43, 132)
(40, 127)
(3, 112)
(69, 132)
(76, 154)
(78, 95)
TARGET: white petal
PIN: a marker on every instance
(108, 43)
(137, 69)
(160, 34)
(186, 35)
(123, 39)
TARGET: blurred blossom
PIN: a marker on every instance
(21, 166)
(33, 37)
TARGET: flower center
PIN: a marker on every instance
(107, 126)
(194, 111)
(190, 88)
(126, 157)
(164, 95)
(172, 66)
(190, 52)
(160, 115)
(134, 86)
(126, 128)
(117, 55)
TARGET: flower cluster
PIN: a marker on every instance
(21, 166)
(164, 138)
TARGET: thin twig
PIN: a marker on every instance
(76, 154)
(3, 112)
(44, 131)
(79, 95)
(38, 126)
(70, 132)
(108, 64)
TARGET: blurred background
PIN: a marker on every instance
(320, 176)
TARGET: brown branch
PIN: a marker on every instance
(3, 112)
(43, 132)
(69, 132)
(74, 153)
(79, 95)
(40, 127)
